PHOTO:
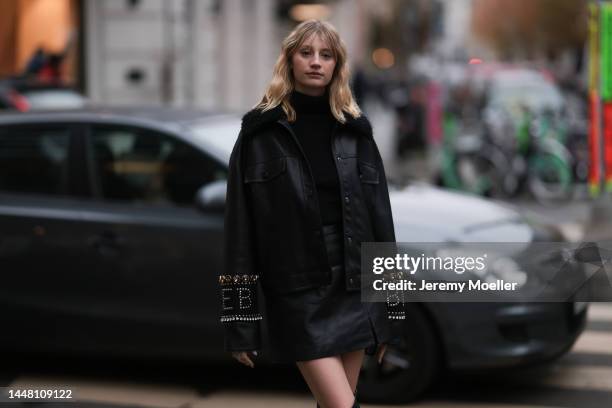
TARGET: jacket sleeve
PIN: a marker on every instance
(238, 285)
(384, 231)
(382, 216)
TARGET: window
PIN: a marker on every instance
(34, 160)
(138, 165)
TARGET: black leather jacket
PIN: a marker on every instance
(272, 220)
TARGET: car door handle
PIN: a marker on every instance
(106, 243)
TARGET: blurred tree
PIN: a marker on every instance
(530, 28)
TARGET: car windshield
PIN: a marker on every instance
(54, 99)
(217, 135)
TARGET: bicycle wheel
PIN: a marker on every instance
(550, 178)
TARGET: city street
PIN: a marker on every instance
(582, 378)
(167, 167)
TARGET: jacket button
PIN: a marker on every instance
(350, 240)
(351, 281)
(338, 158)
(347, 199)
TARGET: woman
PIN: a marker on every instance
(306, 186)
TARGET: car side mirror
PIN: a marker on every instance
(211, 196)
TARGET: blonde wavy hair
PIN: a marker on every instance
(279, 90)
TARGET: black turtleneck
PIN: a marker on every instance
(313, 127)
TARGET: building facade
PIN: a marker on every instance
(211, 54)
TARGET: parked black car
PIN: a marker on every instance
(111, 223)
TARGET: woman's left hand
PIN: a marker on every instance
(381, 352)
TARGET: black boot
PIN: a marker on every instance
(355, 404)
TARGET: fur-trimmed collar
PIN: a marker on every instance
(255, 119)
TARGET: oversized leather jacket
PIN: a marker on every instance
(273, 230)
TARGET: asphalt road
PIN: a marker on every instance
(580, 379)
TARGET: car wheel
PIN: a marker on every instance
(408, 369)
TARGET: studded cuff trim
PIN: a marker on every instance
(395, 298)
(239, 298)
(238, 279)
(241, 318)
(400, 315)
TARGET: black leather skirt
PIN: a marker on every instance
(327, 320)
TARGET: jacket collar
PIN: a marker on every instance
(255, 120)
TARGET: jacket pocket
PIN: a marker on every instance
(368, 173)
(265, 171)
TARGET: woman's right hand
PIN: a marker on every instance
(244, 358)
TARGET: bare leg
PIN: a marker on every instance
(327, 381)
(352, 366)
